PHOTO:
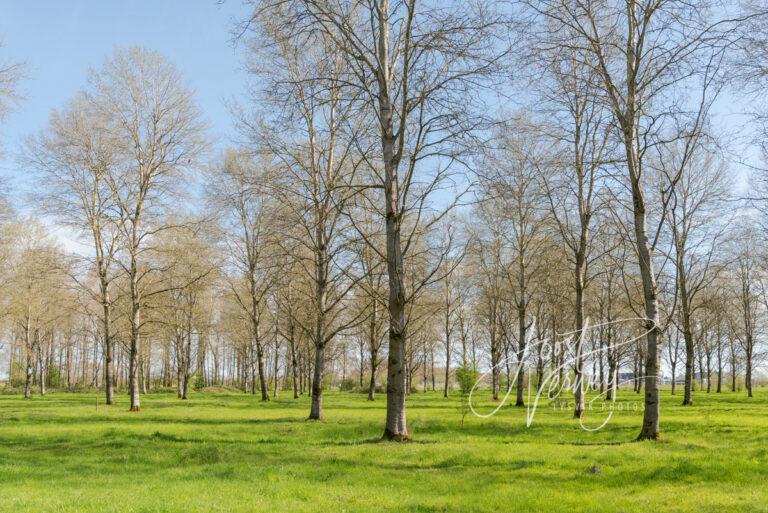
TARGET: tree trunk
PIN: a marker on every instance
(41, 363)
(651, 413)
(372, 385)
(674, 365)
(522, 335)
(277, 366)
(709, 372)
(187, 362)
(689, 362)
(719, 375)
(316, 409)
(30, 365)
(294, 363)
(432, 364)
(133, 354)
(396, 427)
(262, 375)
(133, 375)
(748, 370)
(446, 384)
(109, 371)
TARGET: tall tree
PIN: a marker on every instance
(747, 277)
(512, 183)
(574, 181)
(74, 158)
(415, 68)
(314, 142)
(695, 220)
(249, 225)
(151, 115)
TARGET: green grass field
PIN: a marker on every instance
(229, 452)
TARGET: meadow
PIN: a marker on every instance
(229, 452)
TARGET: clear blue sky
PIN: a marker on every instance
(60, 40)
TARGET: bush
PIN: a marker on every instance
(53, 376)
(198, 381)
(367, 387)
(467, 377)
(347, 385)
(18, 375)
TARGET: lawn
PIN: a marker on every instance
(229, 452)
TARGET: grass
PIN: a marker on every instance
(232, 453)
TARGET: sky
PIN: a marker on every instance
(60, 40)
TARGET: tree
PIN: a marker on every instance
(747, 277)
(249, 232)
(151, 115)
(450, 302)
(512, 183)
(693, 216)
(10, 75)
(189, 263)
(38, 279)
(74, 158)
(372, 292)
(414, 68)
(574, 181)
(486, 250)
(313, 139)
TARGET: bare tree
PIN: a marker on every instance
(574, 180)
(151, 115)
(74, 158)
(695, 220)
(415, 68)
(747, 278)
(511, 183)
(314, 141)
(10, 75)
(249, 222)
(487, 257)
(38, 277)
(371, 291)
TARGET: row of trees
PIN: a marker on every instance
(387, 191)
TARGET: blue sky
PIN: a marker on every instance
(60, 40)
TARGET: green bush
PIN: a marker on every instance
(348, 385)
(53, 376)
(467, 377)
(198, 381)
(18, 375)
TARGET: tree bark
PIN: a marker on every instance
(316, 410)
(522, 335)
(372, 384)
(294, 363)
(109, 384)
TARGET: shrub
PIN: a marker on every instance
(53, 376)
(198, 381)
(18, 375)
(467, 377)
(347, 385)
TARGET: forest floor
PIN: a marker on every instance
(230, 452)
